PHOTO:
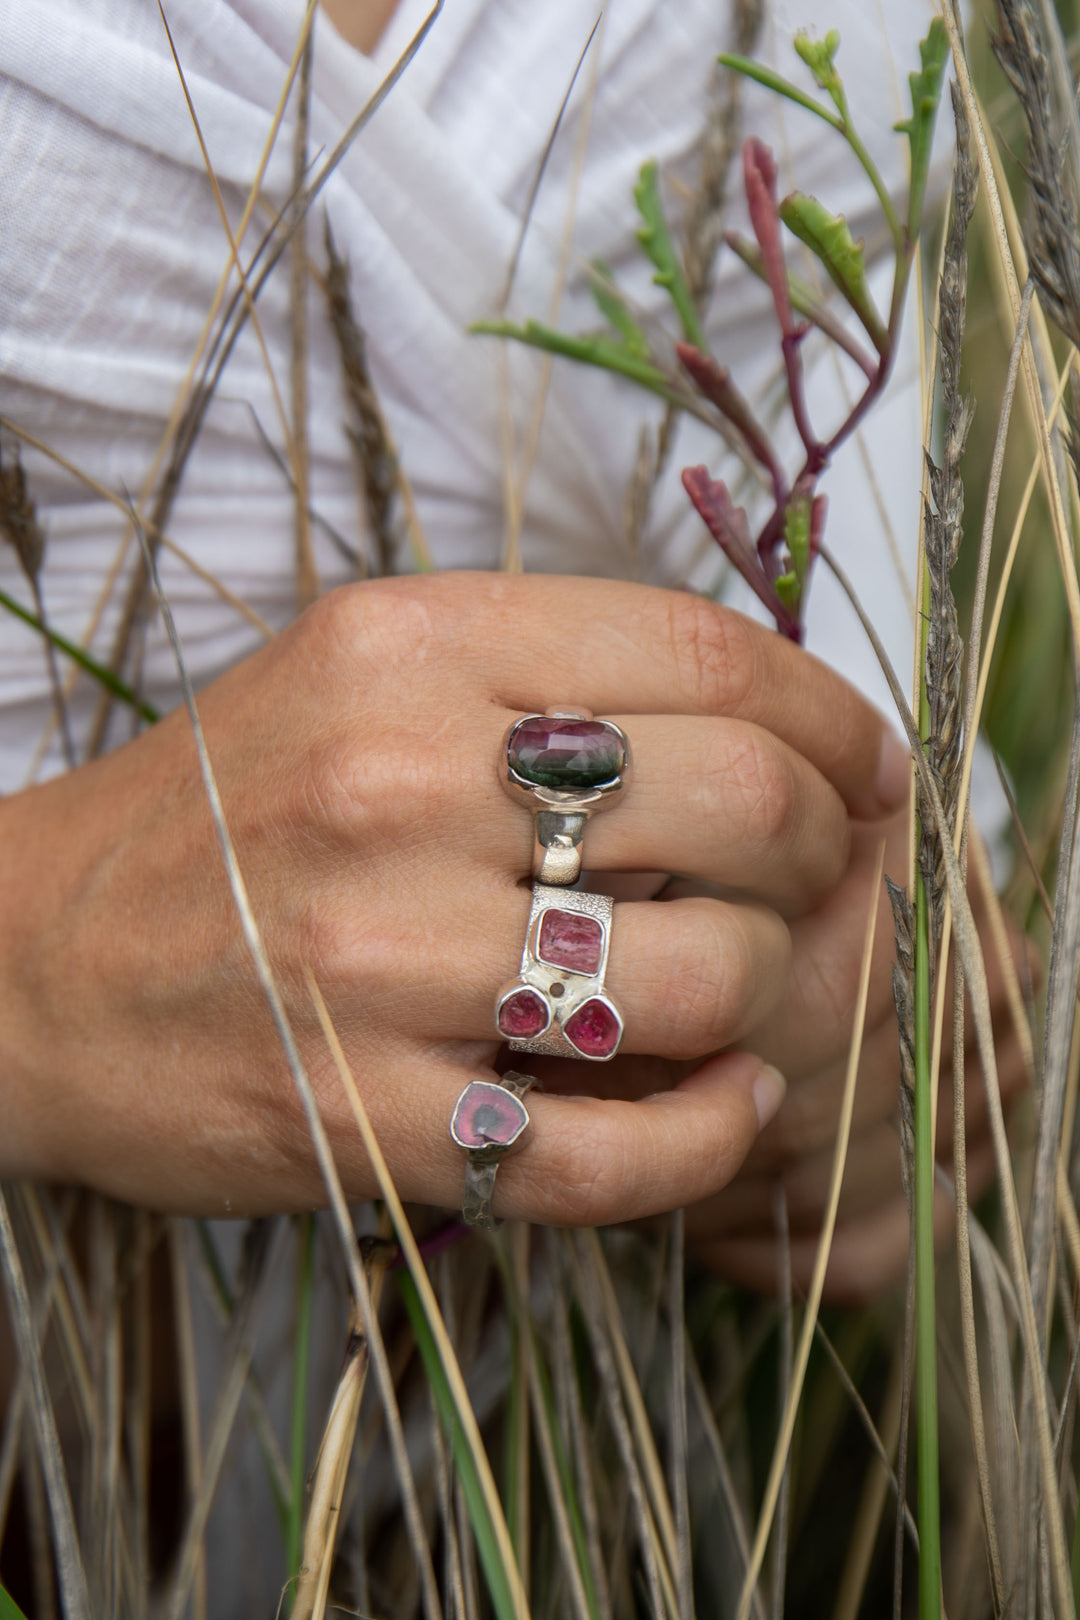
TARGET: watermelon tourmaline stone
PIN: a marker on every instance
(566, 753)
(487, 1116)
(594, 1030)
(571, 940)
(523, 1015)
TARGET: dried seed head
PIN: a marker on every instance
(19, 524)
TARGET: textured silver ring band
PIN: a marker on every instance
(564, 766)
(489, 1121)
(557, 1005)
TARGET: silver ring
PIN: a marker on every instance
(564, 766)
(489, 1121)
(558, 1005)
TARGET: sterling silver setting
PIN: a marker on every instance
(561, 814)
(489, 1121)
(557, 1005)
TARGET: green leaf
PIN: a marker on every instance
(486, 1543)
(820, 57)
(596, 349)
(9, 1609)
(612, 306)
(919, 128)
(655, 238)
(100, 672)
(782, 86)
(829, 239)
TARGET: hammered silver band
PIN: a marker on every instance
(564, 766)
(489, 1121)
(558, 1005)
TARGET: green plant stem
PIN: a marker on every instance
(487, 1545)
(925, 1324)
(301, 1362)
(929, 1505)
(105, 677)
(9, 1609)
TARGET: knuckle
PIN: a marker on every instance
(708, 972)
(761, 781)
(714, 653)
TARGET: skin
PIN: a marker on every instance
(356, 762)
(356, 757)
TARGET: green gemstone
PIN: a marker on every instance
(566, 754)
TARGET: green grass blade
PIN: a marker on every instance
(105, 677)
(925, 1311)
(486, 1543)
(9, 1609)
(566, 1482)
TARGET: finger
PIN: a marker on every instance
(826, 964)
(867, 1256)
(687, 976)
(589, 1162)
(723, 801)
(537, 641)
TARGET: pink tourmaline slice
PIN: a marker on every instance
(568, 939)
(523, 1015)
(594, 1030)
(487, 1116)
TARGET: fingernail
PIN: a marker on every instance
(894, 772)
(769, 1089)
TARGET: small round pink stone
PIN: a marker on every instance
(487, 1116)
(569, 939)
(594, 1030)
(523, 1015)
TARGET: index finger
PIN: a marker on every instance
(544, 641)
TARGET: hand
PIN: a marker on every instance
(356, 758)
(735, 1231)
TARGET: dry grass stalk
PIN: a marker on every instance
(20, 527)
(970, 952)
(75, 1594)
(335, 1454)
(821, 1261)
(1052, 241)
(307, 579)
(654, 1551)
(943, 522)
(377, 465)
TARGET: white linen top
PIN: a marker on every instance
(112, 248)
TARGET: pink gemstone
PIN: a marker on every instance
(487, 1116)
(566, 754)
(594, 1030)
(568, 939)
(522, 1015)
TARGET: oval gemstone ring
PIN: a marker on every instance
(565, 766)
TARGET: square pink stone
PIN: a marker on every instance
(569, 939)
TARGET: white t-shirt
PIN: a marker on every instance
(112, 248)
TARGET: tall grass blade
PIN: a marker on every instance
(73, 1586)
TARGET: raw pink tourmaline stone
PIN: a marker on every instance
(594, 1029)
(487, 1116)
(523, 1015)
(568, 939)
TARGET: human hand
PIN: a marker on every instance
(735, 1231)
(356, 759)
